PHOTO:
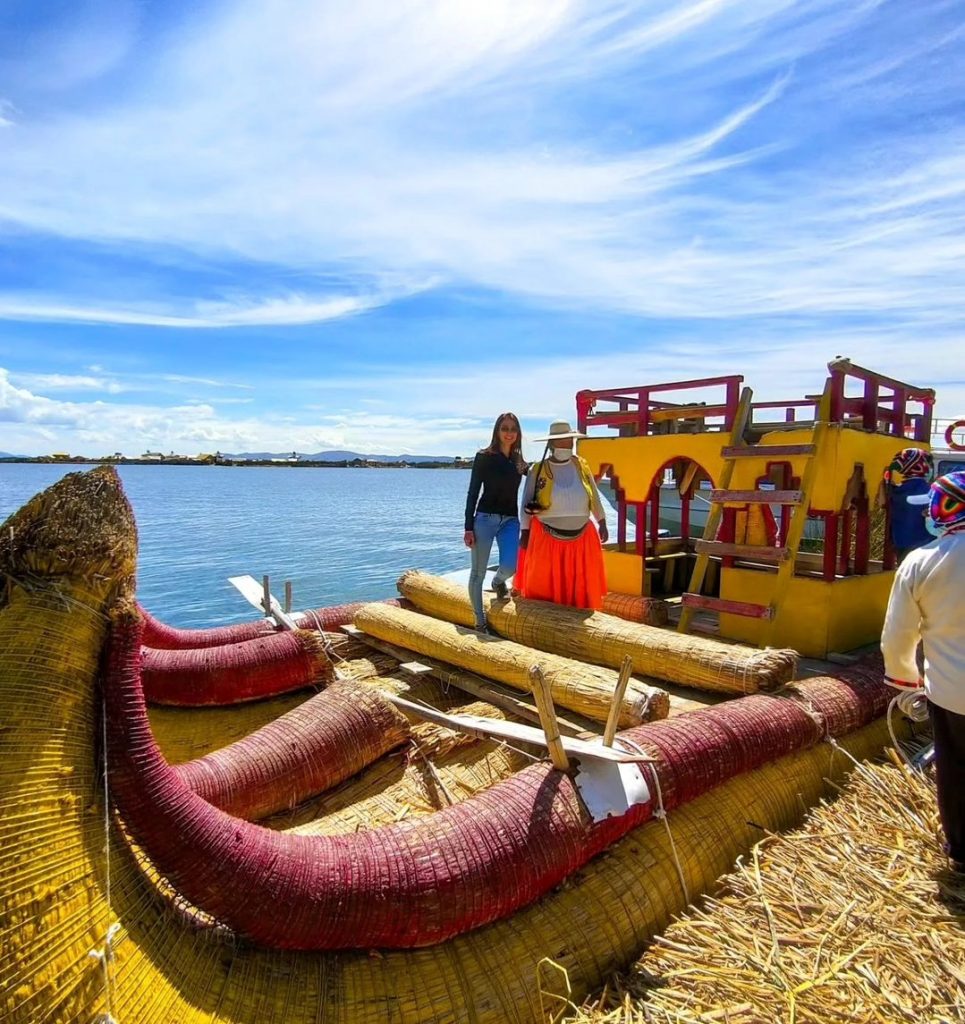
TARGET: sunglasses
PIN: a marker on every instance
(508, 430)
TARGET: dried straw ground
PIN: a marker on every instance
(855, 917)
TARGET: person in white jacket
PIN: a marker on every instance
(926, 604)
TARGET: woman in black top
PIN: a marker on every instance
(496, 470)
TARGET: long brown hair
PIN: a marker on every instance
(516, 453)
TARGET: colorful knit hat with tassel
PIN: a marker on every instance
(946, 502)
(910, 462)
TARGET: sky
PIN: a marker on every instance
(274, 225)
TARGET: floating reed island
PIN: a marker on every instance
(854, 916)
(365, 827)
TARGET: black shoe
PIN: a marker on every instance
(483, 629)
(501, 590)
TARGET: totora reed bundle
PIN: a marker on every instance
(605, 640)
(305, 751)
(584, 688)
(250, 670)
(653, 611)
(160, 635)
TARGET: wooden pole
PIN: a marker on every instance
(288, 596)
(266, 594)
(543, 694)
(626, 668)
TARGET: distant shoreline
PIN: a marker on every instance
(46, 460)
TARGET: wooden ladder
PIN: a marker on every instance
(783, 557)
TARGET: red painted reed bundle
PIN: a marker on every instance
(249, 670)
(849, 700)
(328, 619)
(163, 637)
(414, 883)
(305, 751)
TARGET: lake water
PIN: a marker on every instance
(338, 534)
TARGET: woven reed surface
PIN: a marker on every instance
(54, 910)
(438, 768)
(583, 688)
(635, 608)
(306, 751)
(232, 673)
(853, 917)
(81, 528)
(164, 971)
(489, 855)
(605, 640)
(332, 617)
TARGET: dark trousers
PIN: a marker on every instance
(949, 733)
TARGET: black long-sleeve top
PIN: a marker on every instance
(498, 478)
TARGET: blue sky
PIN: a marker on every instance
(271, 224)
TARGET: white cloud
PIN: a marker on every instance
(290, 311)
(69, 382)
(177, 378)
(781, 179)
(451, 412)
(431, 140)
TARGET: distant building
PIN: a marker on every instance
(61, 457)
(153, 456)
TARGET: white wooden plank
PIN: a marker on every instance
(253, 592)
(495, 729)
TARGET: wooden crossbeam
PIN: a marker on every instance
(719, 604)
(757, 497)
(722, 549)
(766, 451)
(475, 685)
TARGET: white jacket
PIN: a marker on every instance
(927, 603)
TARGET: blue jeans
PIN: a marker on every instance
(489, 527)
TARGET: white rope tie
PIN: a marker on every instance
(660, 813)
(912, 704)
(105, 954)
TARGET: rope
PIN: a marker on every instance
(333, 657)
(106, 953)
(660, 813)
(912, 704)
(315, 618)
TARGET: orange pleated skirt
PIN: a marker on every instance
(567, 572)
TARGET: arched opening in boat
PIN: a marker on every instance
(662, 526)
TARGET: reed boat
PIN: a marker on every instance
(391, 818)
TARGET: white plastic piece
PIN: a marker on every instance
(609, 789)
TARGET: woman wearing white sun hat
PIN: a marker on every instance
(562, 554)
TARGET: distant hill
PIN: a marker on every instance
(338, 456)
(9, 455)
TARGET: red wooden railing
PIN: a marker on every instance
(883, 404)
(637, 406)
